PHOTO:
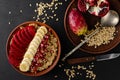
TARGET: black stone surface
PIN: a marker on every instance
(105, 70)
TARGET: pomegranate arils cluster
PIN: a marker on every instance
(82, 5)
(91, 2)
(40, 55)
(94, 7)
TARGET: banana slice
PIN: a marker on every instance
(40, 31)
(39, 35)
(44, 29)
(31, 51)
(35, 44)
(24, 66)
(29, 56)
(36, 40)
(27, 61)
(33, 48)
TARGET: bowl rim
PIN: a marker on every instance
(55, 60)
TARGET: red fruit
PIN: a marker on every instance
(16, 43)
(82, 6)
(20, 37)
(91, 2)
(19, 43)
(77, 22)
(24, 38)
(101, 9)
(27, 34)
(13, 46)
(31, 30)
(16, 54)
(14, 61)
(105, 6)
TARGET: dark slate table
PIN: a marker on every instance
(11, 16)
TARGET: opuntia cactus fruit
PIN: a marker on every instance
(77, 22)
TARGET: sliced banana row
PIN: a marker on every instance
(32, 49)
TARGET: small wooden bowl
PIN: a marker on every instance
(91, 21)
(54, 62)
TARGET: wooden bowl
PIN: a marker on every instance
(55, 60)
(91, 21)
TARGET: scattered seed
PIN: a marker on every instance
(73, 67)
(9, 22)
(44, 21)
(30, 5)
(56, 7)
(60, 66)
(35, 10)
(53, 11)
(33, 17)
(70, 73)
(44, 11)
(43, 8)
(21, 11)
(9, 12)
(54, 14)
(45, 14)
(80, 74)
(77, 71)
(60, 3)
(65, 0)
(37, 4)
(78, 67)
(55, 76)
(57, 19)
(51, 17)
(43, 18)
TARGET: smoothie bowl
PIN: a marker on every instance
(33, 48)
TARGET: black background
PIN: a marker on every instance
(105, 70)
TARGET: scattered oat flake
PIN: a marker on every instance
(21, 11)
(30, 5)
(77, 70)
(70, 73)
(33, 17)
(9, 12)
(55, 76)
(60, 66)
(54, 14)
(57, 19)
(43, 9)
(53, 11)
(65, 0)
(9, 22)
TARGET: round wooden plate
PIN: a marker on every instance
(91, 21)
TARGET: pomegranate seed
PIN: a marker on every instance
(41, 45)
(82, 5)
